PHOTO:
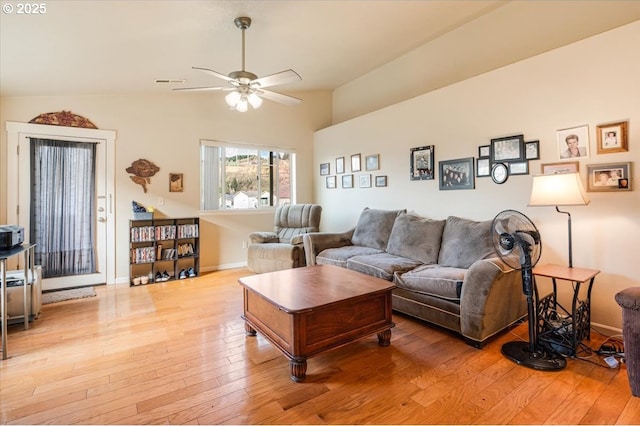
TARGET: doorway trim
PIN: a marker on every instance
(16, 131)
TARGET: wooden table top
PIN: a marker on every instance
(565, 273)
(300, 289)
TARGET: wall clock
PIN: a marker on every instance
(499, 173)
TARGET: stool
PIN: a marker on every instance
(629, 300)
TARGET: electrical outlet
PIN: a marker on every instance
(244, 244)
(160, 201)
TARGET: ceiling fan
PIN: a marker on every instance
(245, 88)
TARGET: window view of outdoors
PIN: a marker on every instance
(252, 178)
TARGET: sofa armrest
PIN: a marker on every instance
(491, 299)
(315, 242)
(263, 237)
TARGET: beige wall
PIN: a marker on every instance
(167, 129)
(589, 82)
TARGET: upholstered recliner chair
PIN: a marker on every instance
(283, 248)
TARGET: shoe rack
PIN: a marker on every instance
(163, 249)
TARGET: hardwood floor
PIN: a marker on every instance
(177, 353)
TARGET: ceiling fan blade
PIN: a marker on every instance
(202, 89)
(279, 97)
(282, 77)
(215, 73)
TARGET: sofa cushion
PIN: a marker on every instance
(381, 265)
(338, 256)
(464, 242)
(374, 227)
(415, 237)
(434, 280)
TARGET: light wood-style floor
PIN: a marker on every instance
(176, 353)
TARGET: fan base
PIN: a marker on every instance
(541, 359)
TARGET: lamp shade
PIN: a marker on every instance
(561, 189)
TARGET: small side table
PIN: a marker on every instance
(29, 276)
(563, 329)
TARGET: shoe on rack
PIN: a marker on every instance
(183, 274)
(191, 272)
(158, 278)
(165, 276)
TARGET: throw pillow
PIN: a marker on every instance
(417, 238)
(374, 227)
(464, 242)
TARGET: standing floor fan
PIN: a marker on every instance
(517, 242)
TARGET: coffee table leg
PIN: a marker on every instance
(384, 338)
(250, 331)
(298, 368)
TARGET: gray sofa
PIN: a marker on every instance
(446, 272)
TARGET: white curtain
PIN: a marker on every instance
(62, 206)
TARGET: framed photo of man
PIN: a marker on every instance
(573, 142)
(612, 137)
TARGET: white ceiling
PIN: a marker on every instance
(122, 46)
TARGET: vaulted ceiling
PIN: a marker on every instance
(122, 46)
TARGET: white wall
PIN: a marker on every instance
(589, 82)
(167, 129)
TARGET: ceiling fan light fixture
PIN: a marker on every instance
(254, 100)
(242, 105)
(232, 98)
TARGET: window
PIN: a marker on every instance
(245, 177)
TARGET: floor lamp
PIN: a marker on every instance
(561, 189)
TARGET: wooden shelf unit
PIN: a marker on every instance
(163, 246)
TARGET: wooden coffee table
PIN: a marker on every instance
(306, 311)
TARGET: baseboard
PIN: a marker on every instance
(607, 330)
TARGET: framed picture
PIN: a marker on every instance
(519, 168)
(562, 167)
(610, 177)
(612, 137)
(457, 174)
(175, 182)
(422, 159)
(381, 181)
(324, 169)
(365, 181)
(483, 167)
(347, 181)
(355, 163)
(484, 151)
(372, 162)
(532, 150)
(340, 165)
(331, 182)
(573, 142)
(510, 148)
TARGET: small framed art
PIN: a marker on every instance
(483, 167)
(610, 177)
(612, 137)
(365, 181)
(519, 168)
(340, 165)
(176, 182)
(381, 181)
(573, 142)
(372, 162)
(561, 167)
(355, 163)
(510, 148)
(484, 151)
(457, 174)
(422, 163)
(324, 169)
(532, 150)
(347, 181)
(331, 182)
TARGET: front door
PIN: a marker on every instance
(104, 271)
